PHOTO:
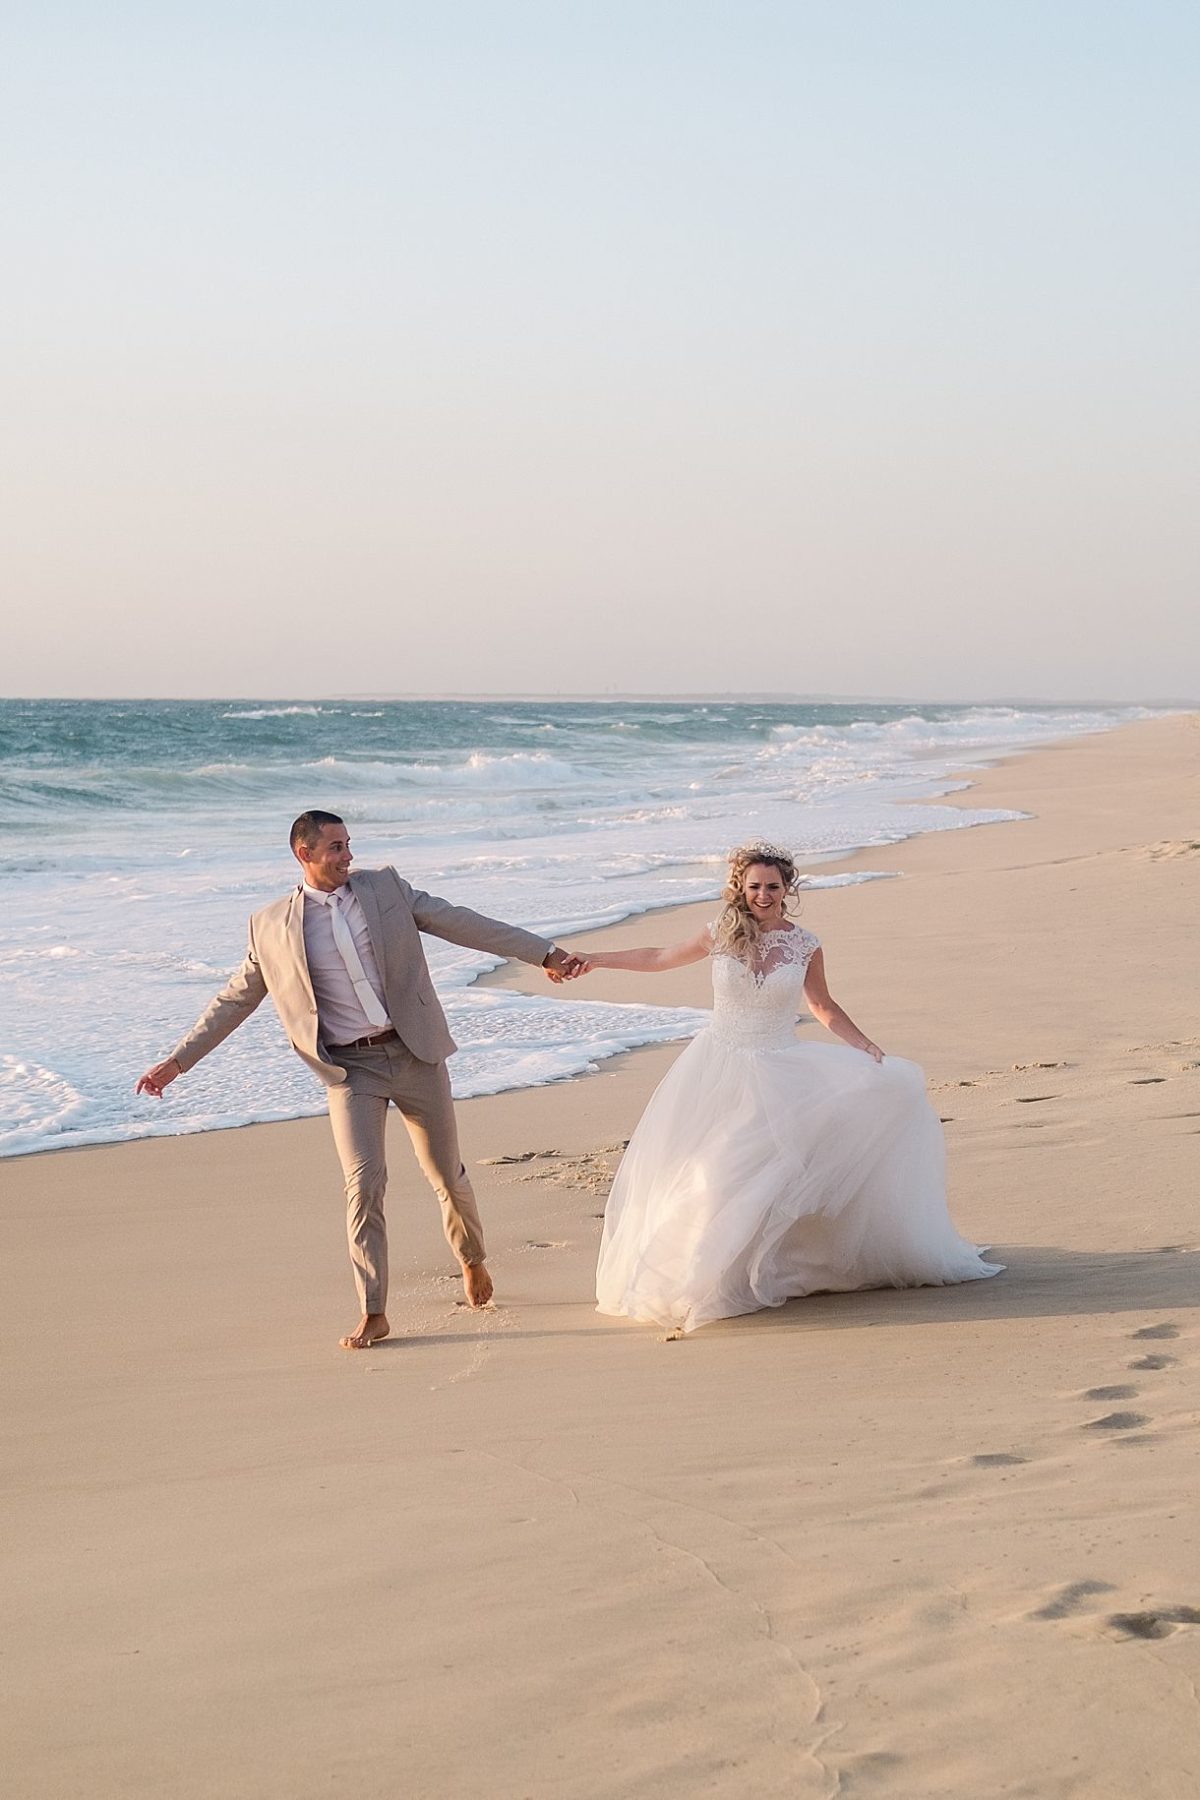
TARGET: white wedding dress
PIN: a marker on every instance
(765, 1168)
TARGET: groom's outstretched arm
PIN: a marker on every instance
(243, 992)
(475, 931)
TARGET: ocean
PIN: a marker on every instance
(141, 835)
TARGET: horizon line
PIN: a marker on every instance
(623, 697)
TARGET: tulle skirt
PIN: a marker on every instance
(757, 1175)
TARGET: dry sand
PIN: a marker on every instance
(921, 1544)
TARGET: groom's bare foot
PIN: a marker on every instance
(477, 1284)
(372, 1330)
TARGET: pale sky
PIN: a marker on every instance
(844, 347)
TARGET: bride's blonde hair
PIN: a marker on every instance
(736, 931)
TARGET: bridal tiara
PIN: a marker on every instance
(768, 852)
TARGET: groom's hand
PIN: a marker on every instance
(158, 1078)
(560, 965)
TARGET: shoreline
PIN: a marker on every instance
(857, 864)
(844, 1543)
(997, 784)
(987, 784)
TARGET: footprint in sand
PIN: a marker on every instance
(998, 1459)
(1111, 1393)
(1155, 1362)
(1169, 849)
(522, 1156)
(868, 1765)
(547, 1244)
(1117, 1421)
(1161, 1622)
(1147, 1080)
(1035, 1099)
(1156, 1331)
(1069, 1600)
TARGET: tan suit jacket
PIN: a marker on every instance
(396, 915)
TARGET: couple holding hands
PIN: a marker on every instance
(763, 1168)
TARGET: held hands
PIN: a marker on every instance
(159, 1077)
(561, 966)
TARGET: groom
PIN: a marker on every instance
(341, 957)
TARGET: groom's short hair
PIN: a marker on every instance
(307, 828)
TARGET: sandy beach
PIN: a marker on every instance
(926, 1544)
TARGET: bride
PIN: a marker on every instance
(763, 1167)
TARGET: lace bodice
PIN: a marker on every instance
(755, 1007)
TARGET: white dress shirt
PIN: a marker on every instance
(341, 1016)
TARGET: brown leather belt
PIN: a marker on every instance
(364, 1043)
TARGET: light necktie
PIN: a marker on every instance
(343, 937)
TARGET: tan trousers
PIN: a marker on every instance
(376, 1076)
